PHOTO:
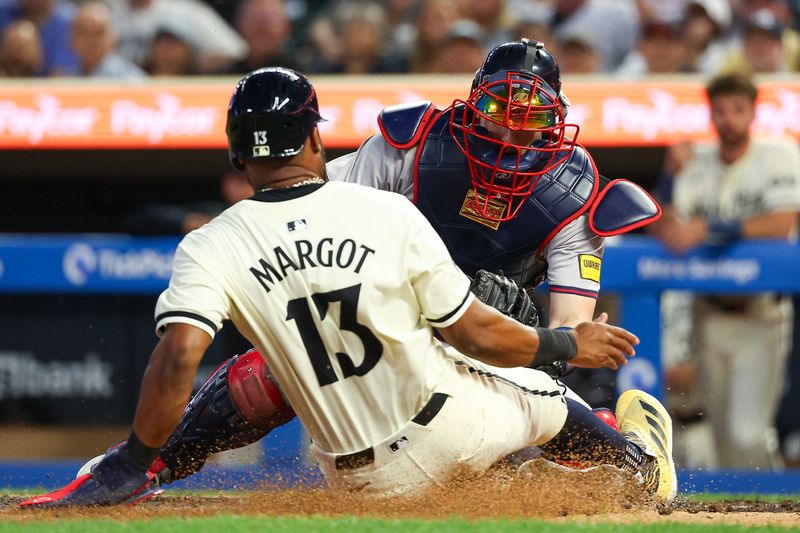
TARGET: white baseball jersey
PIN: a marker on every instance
(574, 255)
(764, 180)
(336, 286)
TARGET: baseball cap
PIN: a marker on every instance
(177, 29)
(765, 21)
(718, 11)
(465, 29)
(579, 39)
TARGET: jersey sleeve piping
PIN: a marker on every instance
(185, 317)
(573, 290)
(451, 317)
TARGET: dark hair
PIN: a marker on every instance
(732, 84)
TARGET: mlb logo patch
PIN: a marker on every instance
(294, 225)
(399, 444)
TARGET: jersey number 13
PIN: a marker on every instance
(299, 311)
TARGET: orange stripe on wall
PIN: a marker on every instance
(191, 114)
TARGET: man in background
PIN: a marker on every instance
(740, 187)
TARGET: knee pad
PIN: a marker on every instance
(239, 404)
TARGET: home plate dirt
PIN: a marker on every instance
(593, 497)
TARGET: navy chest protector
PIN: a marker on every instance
(443, 192)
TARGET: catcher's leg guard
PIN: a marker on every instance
(238, 405)
(588, 439)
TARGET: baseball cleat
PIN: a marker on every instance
(644, 421)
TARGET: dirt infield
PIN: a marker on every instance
(593, 498)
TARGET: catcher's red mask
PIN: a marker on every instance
(511, 130)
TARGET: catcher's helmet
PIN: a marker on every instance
(526, 55)
(511, 128)
(271, 113)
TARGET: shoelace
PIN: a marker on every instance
(649, 470)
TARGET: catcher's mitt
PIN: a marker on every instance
(504, 295)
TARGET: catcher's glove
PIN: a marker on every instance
(504, 295)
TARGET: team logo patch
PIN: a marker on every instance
(473, 206)
(590, 267)
(399, 444)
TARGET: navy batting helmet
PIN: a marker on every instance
(271, 113)
(512, 128)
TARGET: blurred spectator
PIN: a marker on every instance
(161, 219)
(462, 50)
(400, 22)
(613, 25)
(172, 52)
(94, 41)
(21, 54)
(534, 22)
(744, 9)
(704, 30)
(433, 19)
(578, 55)
(761, 46)
(53, 18)
(661, 11)
(137, 22)
(746, 15)
(659, 51)
(362, 30)
(492, 16)
(738, 188)
(266, 29)
(323, 48)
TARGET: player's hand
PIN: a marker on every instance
(603, 345)
(115, 479)
(680, 236)
(678, 156)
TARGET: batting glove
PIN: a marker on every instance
(114, 480)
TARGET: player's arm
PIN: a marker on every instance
(167, 382)
(574, 258)
(569, 310)
(778, 224)
(485, 334)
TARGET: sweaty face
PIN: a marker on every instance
(732, 115)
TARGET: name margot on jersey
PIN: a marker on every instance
(324, 253)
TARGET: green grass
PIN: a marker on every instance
(232, 524)
(769, 498)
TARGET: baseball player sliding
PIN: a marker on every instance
(340, 287)
(547, 218)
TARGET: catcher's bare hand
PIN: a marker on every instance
(603, 345)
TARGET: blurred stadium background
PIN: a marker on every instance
(112, 131)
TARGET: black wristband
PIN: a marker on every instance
(141, 455)
(554, 346)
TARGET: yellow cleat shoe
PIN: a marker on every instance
(644, 421)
